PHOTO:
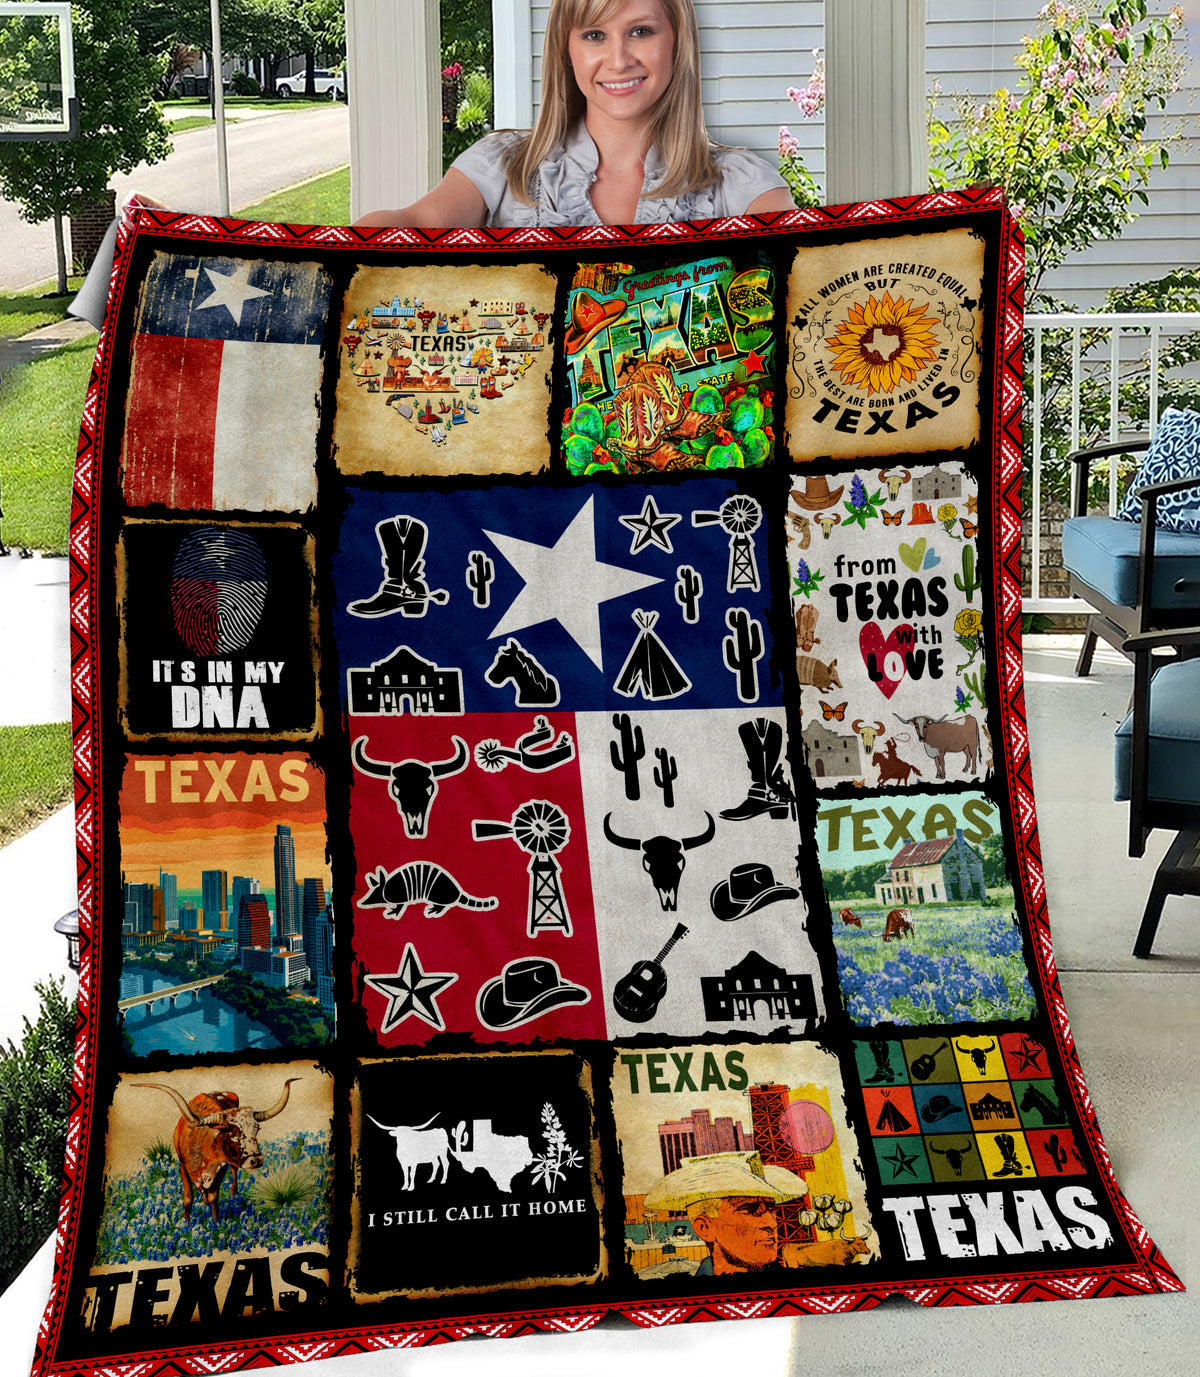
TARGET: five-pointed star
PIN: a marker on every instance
(231, 290)
(411, 991)
(901, 1162)
(1030, 1054)
(753, 362)
(565, 582)
(650, 527)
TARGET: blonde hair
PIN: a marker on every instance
(677, 125)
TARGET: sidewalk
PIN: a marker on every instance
(35, 625)
(42, 341)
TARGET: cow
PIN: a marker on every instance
(416, 1145)
(851, 920)
(826, 1252)
(891, 767)
(898, 922)
(215, 1134)
(501, 1156)
(942, 737)
(662, 857)
(413, 783)
(822, 676)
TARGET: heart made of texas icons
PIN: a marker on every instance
(884, 658)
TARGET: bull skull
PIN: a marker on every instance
(414, 783)
(868, 734)
(894, 481)
(827, 521)
(662, 857)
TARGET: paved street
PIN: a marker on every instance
(265, 154)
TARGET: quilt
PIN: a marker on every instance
(553, 801)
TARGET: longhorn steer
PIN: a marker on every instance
(851, 919)
(215, 1133)
(941, 737)
(414, 783)
(826, 1252)
(899, 922)
(416, 1145)
(662, 857)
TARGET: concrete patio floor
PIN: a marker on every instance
(1137, 1025)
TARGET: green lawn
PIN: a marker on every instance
(35, 775)
(324, 200)
(191, 122)
(40, 406)
(21, 312)
(199, 103)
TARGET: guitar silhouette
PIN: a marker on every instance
(636, 996)
(924, 1066)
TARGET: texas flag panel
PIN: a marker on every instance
(222, 410)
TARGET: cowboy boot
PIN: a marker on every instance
(402, 542)
(762, 741)
(883, 1069)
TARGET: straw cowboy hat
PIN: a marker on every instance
(525, 989)
(588, 318)
(722, 1174)
(817, 493)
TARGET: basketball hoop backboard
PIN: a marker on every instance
(37, 72)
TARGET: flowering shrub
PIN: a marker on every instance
(810, 101)
(284, 1205)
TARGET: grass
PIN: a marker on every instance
(323, 200)
(251, 102)
(35, 775)
(21, 312)
(192, 122)
(40, 403)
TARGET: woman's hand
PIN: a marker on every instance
(139, 198)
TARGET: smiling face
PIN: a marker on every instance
(743, 1234)
(623, 64)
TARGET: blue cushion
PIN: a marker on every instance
(1174, 767)
(1104, 554)
(1174, 453)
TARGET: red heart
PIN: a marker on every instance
(871, 642)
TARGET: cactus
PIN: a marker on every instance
(743, 650)
(665, 774)
(688, 592)
(480, 572)
(968, 583)
(627, 753)
(975, 683)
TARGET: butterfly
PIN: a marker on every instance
(891, 518)
(837, 714)
(969, 527)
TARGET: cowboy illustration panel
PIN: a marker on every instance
(216, 1199)
(218, 630)
(693, 838)
(884, 342)
(227, 937)
(606, 599)
(669, 368)
(889, 626)
(473, 908)
(923, 915)
(474, 1173)
(221, 409)
(445, 370)
(738, 1162)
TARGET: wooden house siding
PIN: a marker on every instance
(753, 50)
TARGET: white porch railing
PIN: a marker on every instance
(1134, 331)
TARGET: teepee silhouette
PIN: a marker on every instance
(649, 668)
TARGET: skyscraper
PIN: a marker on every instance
(170, 903)
(254, 922)
(286, 918)
(214, 899)
(312, 902)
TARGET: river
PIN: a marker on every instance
(200, 1022)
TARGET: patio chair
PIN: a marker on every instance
(1158, 743)
(1137, 576)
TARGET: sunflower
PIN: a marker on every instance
(883, 343)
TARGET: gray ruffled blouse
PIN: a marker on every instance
(562, 187)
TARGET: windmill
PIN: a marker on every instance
(540, 829)
(739, 517)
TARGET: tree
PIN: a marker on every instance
(995, 872)
(119, 125)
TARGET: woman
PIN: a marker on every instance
(619, 138)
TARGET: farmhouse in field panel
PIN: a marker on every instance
(944, 870)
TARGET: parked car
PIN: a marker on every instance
(325, 83)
